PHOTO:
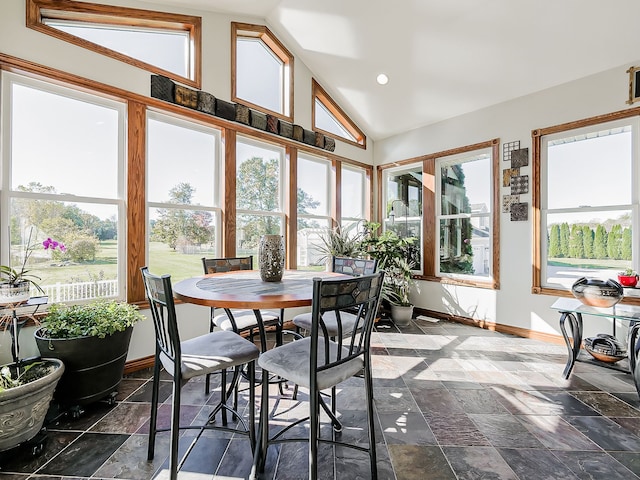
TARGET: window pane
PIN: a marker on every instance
(179, 175)
(326, 121)
(599, 166)
(60, 142)
(464, 249)
(404, 206)
(87, 266)
(251, 228)
(352, 193)
(258, 177)
(313, 186)
(166, 49)
(179, 238)
(466, 186)
(594, 244)
(311, 251)
(256, 61)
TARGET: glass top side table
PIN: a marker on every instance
(572, 310)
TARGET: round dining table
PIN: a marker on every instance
(244, 289)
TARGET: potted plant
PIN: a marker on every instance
(394, 256)
(628, 278)
(342, 242)
(16, 283)
(92, 340)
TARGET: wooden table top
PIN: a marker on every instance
(245, 289)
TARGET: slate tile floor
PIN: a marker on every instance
(453, 402)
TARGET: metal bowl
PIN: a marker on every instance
(597, 293)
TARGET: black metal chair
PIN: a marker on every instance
(183, 360)
(239, 320)
(348, 266)
(319, 363)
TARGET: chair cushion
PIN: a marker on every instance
(331, 322)
(291, 361)
(245, 319)
(212, 352)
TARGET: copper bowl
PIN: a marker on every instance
(605, 348)
(597, 293)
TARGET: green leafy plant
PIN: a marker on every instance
(96, 319)
(394, 255)
(13, 376)
(629, 272)
(343, 242)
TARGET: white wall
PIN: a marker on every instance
(513, 304)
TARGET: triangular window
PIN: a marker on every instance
(331, 120)
(163, 43)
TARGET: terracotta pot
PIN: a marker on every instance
(597, 293)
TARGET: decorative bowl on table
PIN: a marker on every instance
(597, 293)
(605, 348)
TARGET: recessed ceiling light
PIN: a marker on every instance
(382, 79)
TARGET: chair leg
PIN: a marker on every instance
(252, 405)
(314, 430)
(175, 430)
(153, 419)
(264, 425)
(223, 394)
(368, 383)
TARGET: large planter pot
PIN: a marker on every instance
(401, 315)
(23, 409)
(94, 366)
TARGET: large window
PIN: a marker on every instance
(403, 205)
(257, 54)
(260, 184)
(314, 204)
(354, 195)
(164, 43)
(464, 206)
(588, 202)
(63, 180)
(182, 195)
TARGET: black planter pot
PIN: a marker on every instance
(93, 366)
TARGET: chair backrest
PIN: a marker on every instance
(355, 267)
(229, 264)
(360, 294)
(163, 312)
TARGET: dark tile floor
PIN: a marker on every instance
(453, 402)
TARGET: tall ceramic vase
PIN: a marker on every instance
(271, 255)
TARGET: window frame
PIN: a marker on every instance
(90, 13)
(318, 93)
(277, 48)
(539, 176)
(95, 97)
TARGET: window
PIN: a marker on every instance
(182, 195)
(354, 195)
(403, 205)
(314, 204)
(257, 54)
(163, 43)
(588, 201)
(464, 206)
(59, 140)
(330, 119)
(259, 194)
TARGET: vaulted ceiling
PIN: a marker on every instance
(443, 58)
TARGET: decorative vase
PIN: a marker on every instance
(597, 293)
(271, 258)
(628, 280)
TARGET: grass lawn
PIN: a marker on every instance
(589, 263)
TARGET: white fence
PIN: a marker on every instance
(68, 292)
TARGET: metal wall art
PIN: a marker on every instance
(519, 212)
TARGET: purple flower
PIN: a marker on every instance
(52, 244)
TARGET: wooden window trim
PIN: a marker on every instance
(429, 241)
(122, 16)
(319, 93)
(136, 125)
(279, 50)
(536, 141)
